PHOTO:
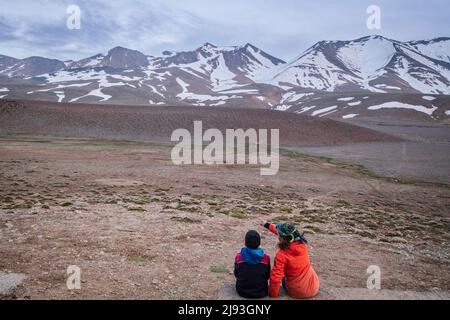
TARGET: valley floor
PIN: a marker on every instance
(142, 228)
(423, 155)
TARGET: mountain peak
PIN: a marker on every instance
(248, 46)
(124, 58)
(207, 45)
(321, 45)
(119, 49)
(373, 37)
(167, 53)
(376, 36)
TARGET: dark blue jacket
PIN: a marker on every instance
(252, 271)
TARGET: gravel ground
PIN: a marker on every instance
(407, 160)
(141, 228)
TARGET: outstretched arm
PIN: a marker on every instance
(271, 227)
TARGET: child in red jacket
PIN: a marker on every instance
(292, 264)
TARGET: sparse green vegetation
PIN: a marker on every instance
(286, 209)
(136, 209)
(188, 208)
(219, 269)
(141, 200)
(314, 229)
(343, 203)
(238, 213)
(8, 199)
(137, 259)
(212, 202)
(111, 201)
(366, 234)
(281, 219)
(185, 220)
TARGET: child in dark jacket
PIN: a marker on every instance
(252, 268)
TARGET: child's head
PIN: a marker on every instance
(252, 239)
(287, 233)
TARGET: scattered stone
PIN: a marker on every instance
(9, 282)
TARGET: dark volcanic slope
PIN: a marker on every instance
(158, 123)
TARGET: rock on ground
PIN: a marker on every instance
(9, 282)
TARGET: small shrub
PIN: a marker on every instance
(219, 269)
(136, 209)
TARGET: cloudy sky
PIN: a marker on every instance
(283, 28)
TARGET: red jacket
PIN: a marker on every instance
(293, 263)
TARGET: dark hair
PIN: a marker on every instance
(283, 244)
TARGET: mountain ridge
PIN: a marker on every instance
(212, 75)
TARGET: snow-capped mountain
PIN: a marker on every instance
(236, 75)
(372, 63)
(224, 67)
(438, 48)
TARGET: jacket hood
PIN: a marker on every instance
(252, 256)
(296, 248)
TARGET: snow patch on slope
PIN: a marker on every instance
(60, 95)
(290, 97)
(400, 105)
(439, 50)
(246, 91)
(323, 110)
(367, 58)
(305, 109)
(221, 76)
(186, 95)
(346, 99)
(349, 116)
(103, 83)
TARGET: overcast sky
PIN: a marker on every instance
(283, 28)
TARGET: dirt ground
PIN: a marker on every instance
(140, 227)
(156, 124)
(407, 160)
(424, 153)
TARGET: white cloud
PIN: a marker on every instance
(39, 27)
